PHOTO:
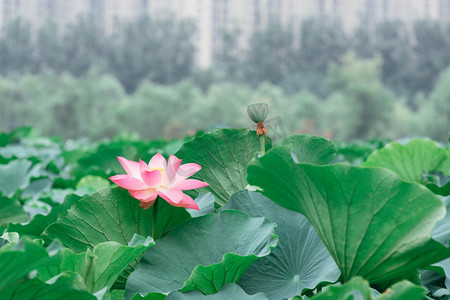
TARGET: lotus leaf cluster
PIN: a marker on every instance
(223, 215)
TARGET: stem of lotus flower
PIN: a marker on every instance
(261, 131)
(155, 213)
(262, 144)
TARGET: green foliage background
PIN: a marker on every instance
(388, 81)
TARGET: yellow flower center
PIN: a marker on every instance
(161, 170)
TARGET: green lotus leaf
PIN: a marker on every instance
(68, 285)
(373, 224)
(223, 155)
(111, 215)
(437, 278)
(229, 291)
(19, 259)
(15, 135)
(357, 288)
(409, 162)
(203, 253)
(9, 238)
(434, 282)
(101, 266)
(39, 222)
(403, 290)
(439, 190)
(445, 165)
(91, 184)
(14, 176)
(312, 149)
(300, 261)
(149, 296)
(11, 211)
(205, 203)
(441, 231)
(105, 158)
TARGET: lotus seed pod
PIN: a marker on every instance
(258, 112)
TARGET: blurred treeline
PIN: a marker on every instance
(385, 81)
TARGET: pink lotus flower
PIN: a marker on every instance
(145, 182)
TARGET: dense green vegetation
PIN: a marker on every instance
(334, 84)
(161, 50)
(96, 106)
(290, 223)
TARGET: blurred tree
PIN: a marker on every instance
(11, 99)
(225, 105)
(97, 99)
(392, 41)
(62, 105)
(16, 48)
(303, 113)
(270, 55)
(155, 110)
(161, 49)
(228, 54)
(157, 49)
(204, 78)
(322, 41)
(431, 51)
(361, 41)
(359, 106)
(434, 115)
(84, 46)
(278, 56)
(413, 57)
(50, 49)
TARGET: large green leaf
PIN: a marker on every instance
(223, 155)
(373, 224)
(358, 288)
(14, 176)
(434, 283)
(38, 224)
(17, 260)
(105, 158)
(357, 151)
(8, 237)
(90, 184)
(439, 190)
(310, 149)
(409, 162)
(41, 150)
(229, 291)
(11, 211)
(68, 286)
(205, 203)
(203, 253)
(15, 135)
(111, 215)
(441, 232)
(300, 260)
(100, 267)
(445, 165)
(37, 187)
(403, 290)
(437, 278)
